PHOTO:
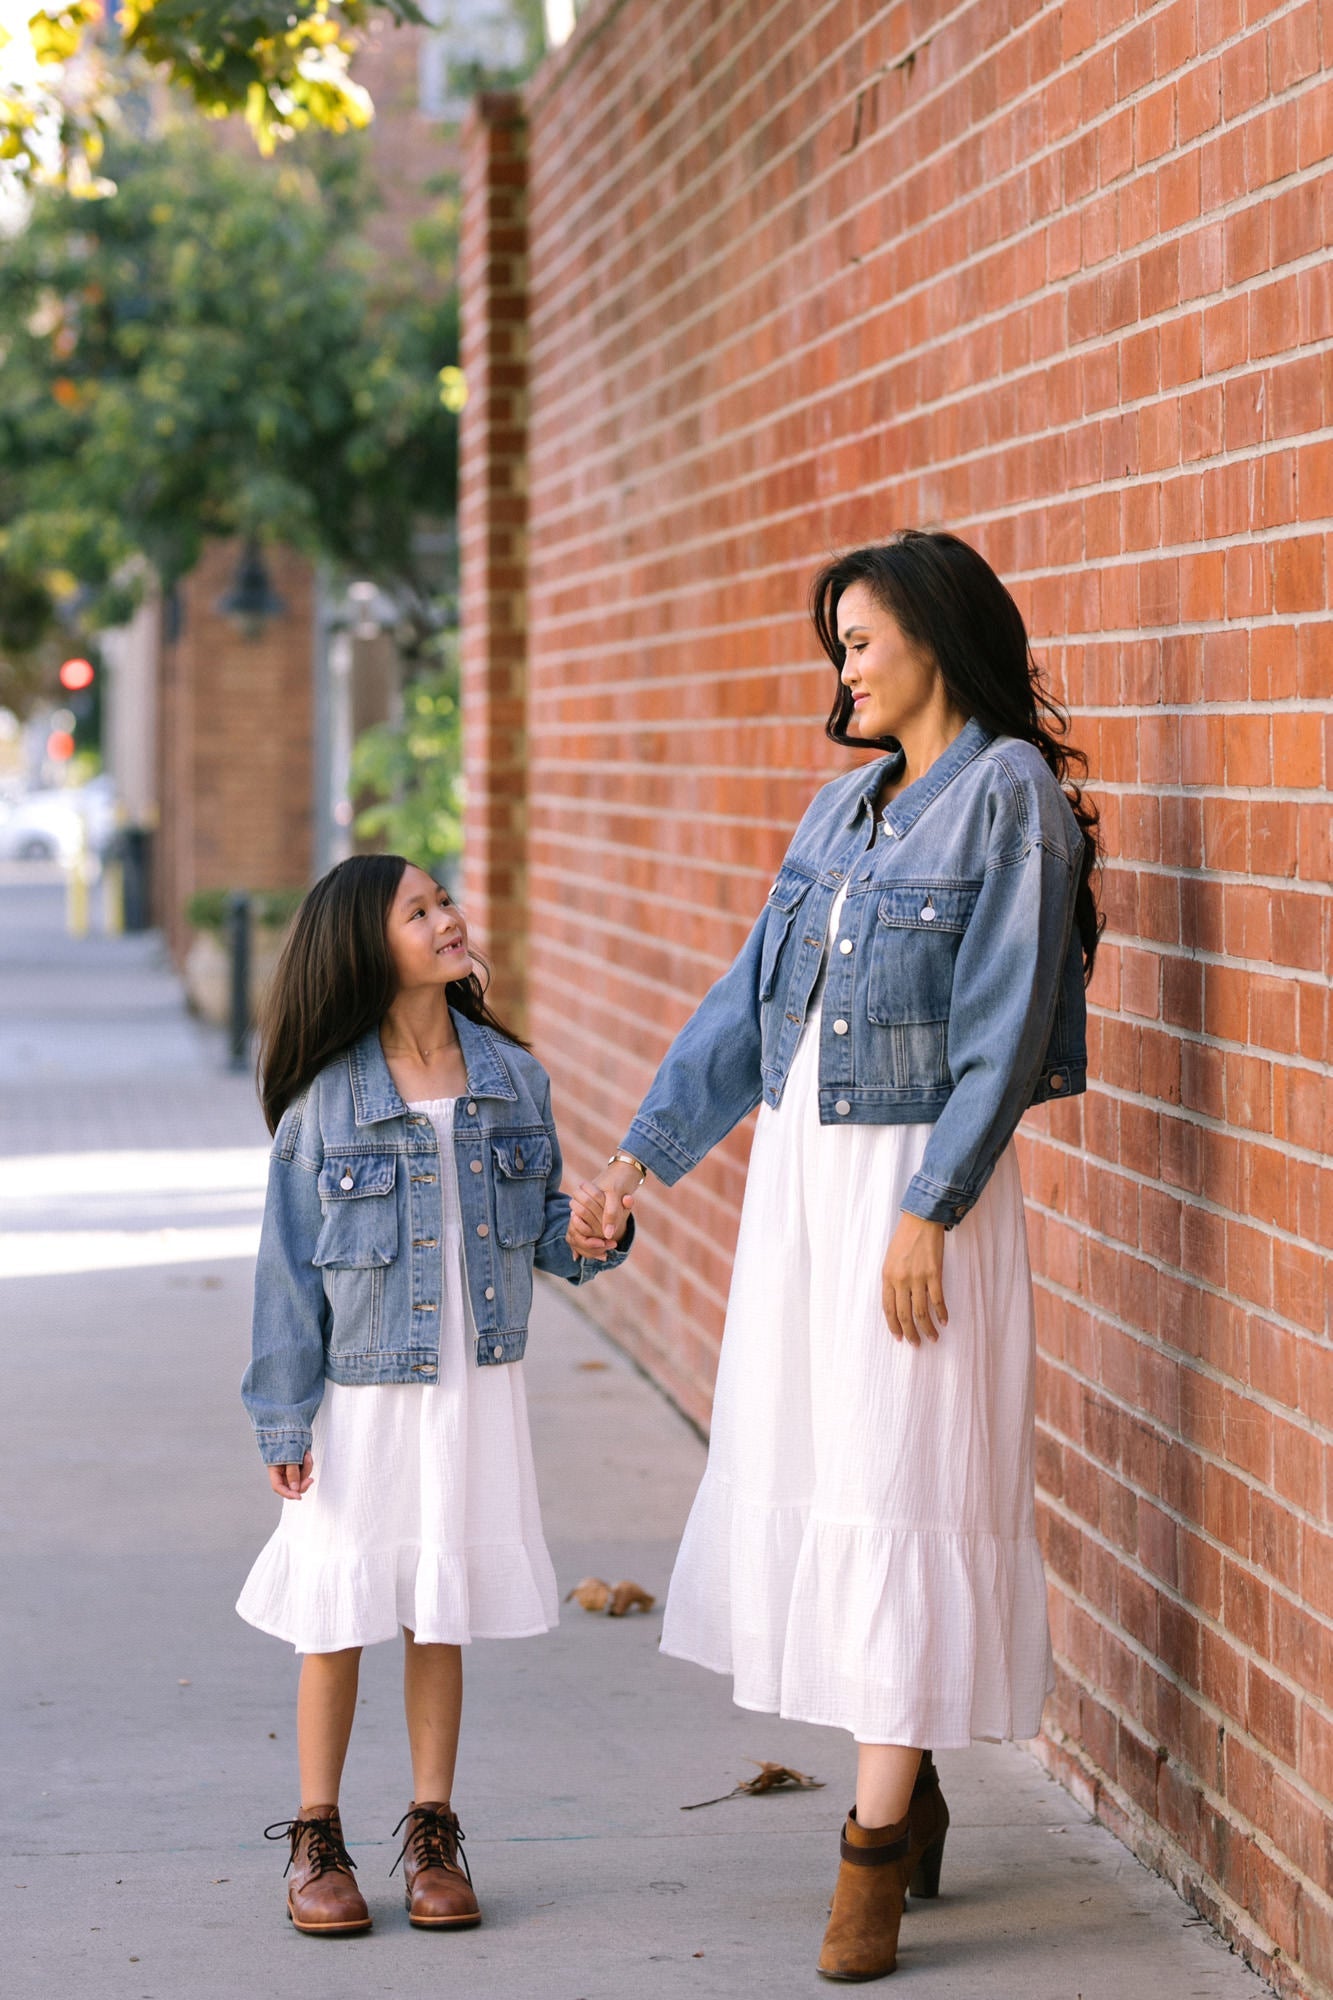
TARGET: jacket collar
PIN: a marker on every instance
(375, 1094)
(902, 811)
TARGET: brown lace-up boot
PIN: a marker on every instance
(322, 1898)
(438, 1882)
(927, 1824)
(861, 1941)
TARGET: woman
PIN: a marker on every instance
(861, 1552)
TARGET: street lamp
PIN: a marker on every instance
(250, 599)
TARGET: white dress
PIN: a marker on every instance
(861, 1551)
(423, 1511)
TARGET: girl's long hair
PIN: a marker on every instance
(334, 979)
(948, 601)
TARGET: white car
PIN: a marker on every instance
(52, 825)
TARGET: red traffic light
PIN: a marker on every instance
(60, 746)
(76, 675)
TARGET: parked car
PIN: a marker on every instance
(52, 825)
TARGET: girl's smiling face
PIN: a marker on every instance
(426, 934)
(891, 681)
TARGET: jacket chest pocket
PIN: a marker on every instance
(360, 1227)
(522, 1165)
(784, 900)
(913, 947)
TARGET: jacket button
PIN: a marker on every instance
(842, 1107)
(483, 1229)
(1057, 1082)
(346, 1182)
(497, 1352)
(845, 946)
(472, 1111)
(840, 1027)
(476, 1166)
(490, 1291)
(961, 1209)
(928, 913)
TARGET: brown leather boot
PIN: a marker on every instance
(439, 1893)
(861, 1941)
(322, 1898)
(927, 1824)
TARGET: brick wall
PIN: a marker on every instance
(234, 744)
(1057, 277)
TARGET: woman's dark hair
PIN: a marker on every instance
(948, 602)
(334, 979)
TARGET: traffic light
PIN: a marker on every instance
(76, 675)
(83, 685)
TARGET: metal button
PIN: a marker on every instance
(483, 1229)
(475, 1166)
(842, 1107)
(961, 1209)
(927, 912)
(889, 828)
(497, 1352)
(1057, 1082)
(845, 946)
(840, 1027)
(490, 1291)
(472, 1111)
(346, 1182)
(835, 875)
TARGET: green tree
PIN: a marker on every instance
(212, 353)
(412, 769)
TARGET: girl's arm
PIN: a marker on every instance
(284, 1384)
(553, 1252)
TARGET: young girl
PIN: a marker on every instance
(414, 1184)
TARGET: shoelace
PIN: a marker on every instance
(434, 1834)
(324, 1843)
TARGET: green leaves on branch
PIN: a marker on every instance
(412, 771)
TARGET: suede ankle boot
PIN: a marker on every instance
(861, 1941)
(322, 1897)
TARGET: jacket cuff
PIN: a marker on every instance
(282, 1447)
(661, 1154)
(934, 1203)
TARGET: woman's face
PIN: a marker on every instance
(426, 934)
(891, 681)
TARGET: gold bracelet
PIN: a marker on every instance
(630, 1161)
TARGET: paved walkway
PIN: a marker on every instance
(146, 1733)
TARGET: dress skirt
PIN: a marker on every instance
(861, 1551)
(423, 1511)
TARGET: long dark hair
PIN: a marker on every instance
(948, 601)
(335, 979)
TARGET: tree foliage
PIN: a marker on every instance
(412, 769)
(211, 353)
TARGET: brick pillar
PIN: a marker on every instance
(493, 535)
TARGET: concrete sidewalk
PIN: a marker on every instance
(148, 1733)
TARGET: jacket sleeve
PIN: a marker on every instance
(709, 1078)
(284, 1384)
(1013, 951)
(553, 1252)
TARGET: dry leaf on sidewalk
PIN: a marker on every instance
(770, 1778)
(615, 1601)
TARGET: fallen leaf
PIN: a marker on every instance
(770, 1778)
(592, 1594)
(182, 1684)
(629, 1597)
(591, 1367)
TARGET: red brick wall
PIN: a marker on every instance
(1058, 278)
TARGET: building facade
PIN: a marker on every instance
(747, 281)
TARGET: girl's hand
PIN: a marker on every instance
(291, 1481)
(601, 1210)
(913, 1283)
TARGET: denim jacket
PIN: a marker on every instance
(348, 1280)
(954, 993)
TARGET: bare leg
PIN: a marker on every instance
(325, 1706)
(885, 1774)
(433, 1699)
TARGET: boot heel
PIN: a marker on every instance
(925, 1881)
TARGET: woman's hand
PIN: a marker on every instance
(600, 1210)
(291, 1481)
(913, 1284)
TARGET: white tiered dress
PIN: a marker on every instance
(861, 1551)
(423, 1511)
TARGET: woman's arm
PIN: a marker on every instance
(554, 1252)
(284, 1384)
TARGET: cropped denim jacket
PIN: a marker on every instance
(347, 1284)
(954, 993)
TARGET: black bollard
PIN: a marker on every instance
(238, 939)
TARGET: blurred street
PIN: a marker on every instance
(147, 1734)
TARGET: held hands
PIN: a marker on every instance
(913, 1282)
(600, 1211)
(291, 1481)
